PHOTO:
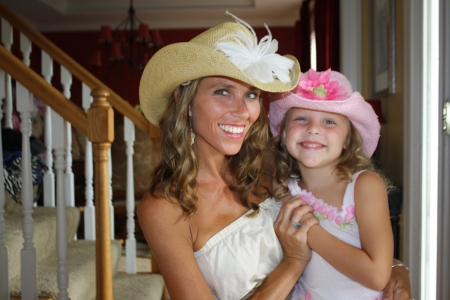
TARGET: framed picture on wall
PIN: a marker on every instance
(382, 23)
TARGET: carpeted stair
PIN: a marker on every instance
(80, 259)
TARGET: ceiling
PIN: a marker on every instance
(79, 15)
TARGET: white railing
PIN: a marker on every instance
(4, 274)
(58, 141)
(28, 253)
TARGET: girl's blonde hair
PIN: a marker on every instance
(177, 170)
(350, 162)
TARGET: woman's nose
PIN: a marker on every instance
(239, 108)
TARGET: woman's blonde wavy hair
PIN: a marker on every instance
(177, 170)
(351, 161)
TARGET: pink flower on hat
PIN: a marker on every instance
(317, 85)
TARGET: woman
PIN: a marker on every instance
(201, 216)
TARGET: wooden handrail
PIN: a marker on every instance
(43, 90)
(78, 71)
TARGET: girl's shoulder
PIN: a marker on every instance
(366, 178)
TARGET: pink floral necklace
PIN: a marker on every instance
(324, 211)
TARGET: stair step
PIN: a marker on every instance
(81, 266)
(138, 286)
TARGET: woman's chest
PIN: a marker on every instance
(211, 218)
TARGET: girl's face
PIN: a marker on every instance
(315, 138)
(222, 112)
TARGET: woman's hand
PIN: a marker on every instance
(294, 241)
(398, 287)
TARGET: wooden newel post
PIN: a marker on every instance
(101, 134)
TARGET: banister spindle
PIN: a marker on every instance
(66, 81)
(101, 134)
(111, 206)
(25, 48)
(49, 176)
(28, 253)
(7, 40)
(58, 141)
(129, 137)
(89, 208)
(4, 273)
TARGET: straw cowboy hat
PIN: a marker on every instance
(329, 91)
(229, 49)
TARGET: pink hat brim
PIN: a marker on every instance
(355, 108)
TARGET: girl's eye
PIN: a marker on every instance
(301, 119)
(221, 92)
(329, 122)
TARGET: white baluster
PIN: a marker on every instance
(49, 176)
(131, 240)
(4, 280)
(111, 206)
(28, 254)
(58, 141)
(89, 209)
(7, 40)
(66, 81)
(25, 48)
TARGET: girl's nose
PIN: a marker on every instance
(313, 128)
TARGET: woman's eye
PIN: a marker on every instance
(221, 92)
(252, 95)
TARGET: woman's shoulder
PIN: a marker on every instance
(157, 210)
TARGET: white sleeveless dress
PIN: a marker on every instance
(320, 280)
(242, 254)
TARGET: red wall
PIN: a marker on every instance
(81, 45)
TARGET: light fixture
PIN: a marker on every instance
(131, 41)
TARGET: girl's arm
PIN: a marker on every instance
(370, 265)
(296, 252)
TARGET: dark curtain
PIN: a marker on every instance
(327, 34)
(303, 30)
(325, 15)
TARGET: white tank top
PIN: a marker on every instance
(242, 254)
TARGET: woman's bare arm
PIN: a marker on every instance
(399, 286)
(167, 233)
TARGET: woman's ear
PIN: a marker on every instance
(176, 93)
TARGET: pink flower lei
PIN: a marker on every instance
(317, 85)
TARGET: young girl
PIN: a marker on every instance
(325, 136)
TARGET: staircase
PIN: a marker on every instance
(49, 262)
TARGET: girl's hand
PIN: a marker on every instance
(294, 241)
(398, 287)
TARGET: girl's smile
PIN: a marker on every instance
(315, 138)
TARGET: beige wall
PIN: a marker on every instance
(391, 141)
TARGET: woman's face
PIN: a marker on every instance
(222, 112)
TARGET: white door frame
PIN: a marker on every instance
(415, 173)
(412, 152)
(443, 289)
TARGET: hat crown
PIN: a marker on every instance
(211, 36)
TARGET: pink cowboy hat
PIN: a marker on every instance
(328, 91)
